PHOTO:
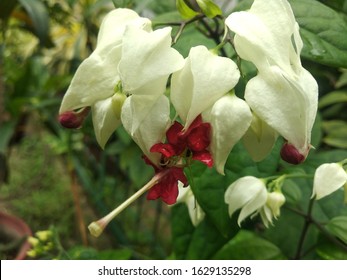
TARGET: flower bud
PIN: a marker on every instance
(72, 119)
(291, 155)
(275, 200)
(117, 103)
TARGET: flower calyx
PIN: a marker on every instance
(291, 154)
(73, 119)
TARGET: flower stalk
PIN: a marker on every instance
(97, 227)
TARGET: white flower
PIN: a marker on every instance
(201, 87)
(272, 208)
(130, 60)
(283, 94)
(259, 139)
(153, 126)
(230, 118)
(186, 196)
(248, 193)
(328, 178)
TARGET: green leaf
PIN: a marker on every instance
(322, 30)
(185, 11)
(164, 19)
(209, 187)
(338, 227)
(6, 8)
(292, 192)
(247, 245)
(333, 98)
(6, 131)
(329, 251)
(120, 254)
(40, 18)
(191, 38)
(206, 241)
(342, 81)
(336, 133)
(182, 230)
(209, 8)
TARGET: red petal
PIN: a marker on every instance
(199, 138)
(197, 122)
(167, 188)
(204, 157)
(148, 162)
(165, 149)
(291, 155)
(173, 132)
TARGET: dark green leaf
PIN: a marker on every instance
(338, 227)
(205, 241)
(40, 18)
(182, 230)
(322, 30)
(333, 98)
(6, 131)
(330, 251)
(336, 133)
(247, 245)
(292, 192)
(6, 8)
(209, 188)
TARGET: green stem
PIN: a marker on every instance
(304, 232)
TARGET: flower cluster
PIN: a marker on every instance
(124, 80)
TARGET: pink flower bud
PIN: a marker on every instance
(291, 155)
(72, 119)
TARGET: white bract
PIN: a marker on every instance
(248, 193)
(328, 178)
(272, 208)
(283, 94)
(186, 196)
(129, 60)
(201, 87)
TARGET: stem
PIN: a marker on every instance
(215, 36)
(97, 227)
(308, 221)
(182, 26)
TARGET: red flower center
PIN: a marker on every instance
(192, 143)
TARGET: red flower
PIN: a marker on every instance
(167, 187)
(192, 142)
(195, 139)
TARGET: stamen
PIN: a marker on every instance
(97, 227)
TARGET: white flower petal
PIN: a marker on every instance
(143, 99)
(146, 57)
(258, 201)
(113, 26)
(94, 80)
(259, 139)
(247, 192)
(105, 120)
(328, 178)
(186, 196)
(262, 37)
(288, 106)
(153, 127)
(204, 79)
(230, 118)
